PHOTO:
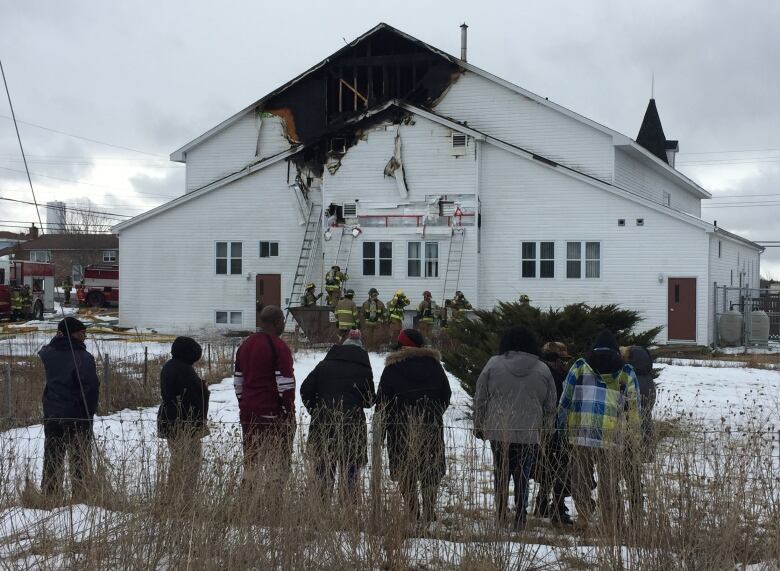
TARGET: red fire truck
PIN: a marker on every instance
(38, 276)
(100, 285)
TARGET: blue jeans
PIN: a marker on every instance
(511, 460)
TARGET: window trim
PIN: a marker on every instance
(424, 259)
(537, 260)
(48, 256)
(583, 259)
(109, 260)
(229, 313)
(229, 258)
(419, 259)
(270, 248)
(377, 258)
(532, 260)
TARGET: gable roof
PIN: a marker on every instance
(67, 242)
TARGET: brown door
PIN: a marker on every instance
(682, 309)
(268, 288)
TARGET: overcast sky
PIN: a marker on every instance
(151, 76)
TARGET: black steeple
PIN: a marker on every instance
(651, 133)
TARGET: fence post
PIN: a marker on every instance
(106, 379)
(208, 352)
(375, 492)
(7, 391)
(146, 365)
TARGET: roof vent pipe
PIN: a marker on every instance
(463, 33)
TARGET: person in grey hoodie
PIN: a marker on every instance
(515, 402)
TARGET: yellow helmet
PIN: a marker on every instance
(399, 292)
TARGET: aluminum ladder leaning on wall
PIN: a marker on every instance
(454, 259)
(312, 240)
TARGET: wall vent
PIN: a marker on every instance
(621, 221)
(459, 141)
(640, 221)
(350, 210)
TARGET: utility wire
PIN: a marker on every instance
(86, 138)
(100, 212)
(21, 147)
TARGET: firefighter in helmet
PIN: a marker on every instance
(426, 314)
(310, 298)
(395, 312)
(525, 300)
(16, 304)
(334, 280)
(26, 301)
(459, 302)
(67, 287)
(373, 317)
(347, 313)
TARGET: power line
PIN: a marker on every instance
(86, 138)
(100, 212)
(765, 150)
(19, 138)
(744, 205)
(745, 195)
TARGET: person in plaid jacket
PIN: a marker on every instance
(599, 412)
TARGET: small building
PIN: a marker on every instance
(413, 169)
(12, 239)
(70, 253)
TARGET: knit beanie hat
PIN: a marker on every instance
(605, 340)
(410, 338)
(70, 325)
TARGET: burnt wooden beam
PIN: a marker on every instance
(390, 60)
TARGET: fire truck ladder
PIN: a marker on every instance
(454, 259)
(312, 237)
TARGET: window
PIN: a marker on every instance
(77, 273)
(547, 259)
(414, 264)
(640, 221)
(431, 259)
(573, 259)
(223, 317)
(592, 259)
(229, 257)
(667, 199)
(269, 249)
(40, 256)
(529, 260)
(415, 259)
(621, 221)
(381, 251)
(109, 256)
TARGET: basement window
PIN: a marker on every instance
(225, 317)
(269, 249)
(621, 221)
(640, 221)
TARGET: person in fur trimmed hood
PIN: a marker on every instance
(413, 394)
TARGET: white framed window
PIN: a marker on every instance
(40, 256)
(228, 317)
(574, 251)
(539, 255)
(229, 258)
(546, 259)
(414, 260)
(423, 260)
(431, 259)
(667, 199)
(573, 260)
(109, 256)
(592, 259)
(269, 249)
(529, 260)
(377, 258)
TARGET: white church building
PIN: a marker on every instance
(413, 169)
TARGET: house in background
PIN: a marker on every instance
(70, 253)
(11, 239)
(413, 169)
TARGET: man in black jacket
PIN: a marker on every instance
(335, 394)
(183, 413)
(413, 394)
(70, 400)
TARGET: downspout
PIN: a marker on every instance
(478, 219)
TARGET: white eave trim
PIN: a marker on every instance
(634, 148)
(206, 189)
(720, 232)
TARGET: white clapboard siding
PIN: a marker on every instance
(523, 201)
(632, 175)
(167, 263)
(233, 148)
(507, 115)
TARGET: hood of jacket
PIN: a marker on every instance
(61, 343)
(517, 363)
(605, 361)
(410, 353)
(186, 349)
(640, 359)
(349, 353)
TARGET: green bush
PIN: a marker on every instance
(474, 341)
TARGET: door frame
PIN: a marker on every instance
(695, 311)
(259, 277)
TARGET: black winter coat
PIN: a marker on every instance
(72, 384)
(185, 397)
(335, 394)
(413, 394)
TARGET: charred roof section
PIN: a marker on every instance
(381, 66)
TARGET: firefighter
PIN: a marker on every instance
(525, 300)
(26, 301)
(16, 304)
(459, 302)
(347, 313)
(67, 287)
(373, 317)
(426, 314)
(334, 279)
(395, 312)
(309, 298)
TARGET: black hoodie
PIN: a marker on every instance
(605, 358)
(185, 398)
(72, 384)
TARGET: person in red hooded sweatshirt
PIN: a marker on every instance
(265, 386)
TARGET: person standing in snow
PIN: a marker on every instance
(412, 396)
(70, 400)
(265, 387)
(599, 410)
(335, 394)
(514, 406)
(182, 416)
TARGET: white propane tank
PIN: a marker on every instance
(759, 328)
(730, 328)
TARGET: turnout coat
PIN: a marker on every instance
(413, 394)
(335, 394)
